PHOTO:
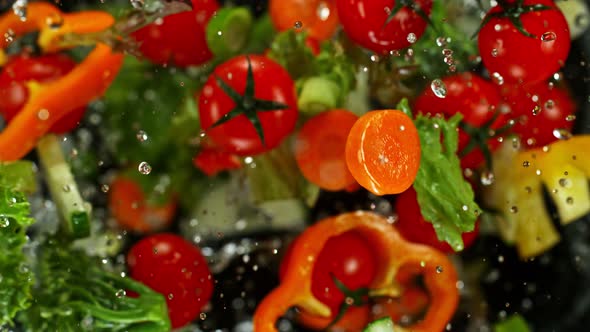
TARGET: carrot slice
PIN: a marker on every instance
(383, 152)
(320, 149)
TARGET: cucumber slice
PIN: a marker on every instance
(227, 31)
(75, 212)
(380, 325)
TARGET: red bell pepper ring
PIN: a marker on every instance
(49, 102)
(393, 252)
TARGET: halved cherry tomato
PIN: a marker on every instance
(540, 111)
(272, 84)
(317, 17)
(366, 23)
(383, 152)
(320, 149)
(176, 269)
(133, 212)
(474, 98)
(45, 68)
(212, 161)
(517, 58)
(179, 39)
(412, 225)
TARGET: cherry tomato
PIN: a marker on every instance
(540, 112)
(133, 212)
(476, 99)
(317, 17)
(175, 268)
(46, 68)
(179, 39)
(320, 149)
(238, 135)
(365, 23)
(515, 57)
(212, 161)
(383, 151)
(413, 227)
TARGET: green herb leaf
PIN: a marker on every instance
(446, 199)
(513, 324)
(16, 277)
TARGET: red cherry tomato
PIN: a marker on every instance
(472, 96)
(179, 39)
(348, 258)
(518, 58)
(540, 112)
(238, 135)
(21, 69)
(413, 227)
(176, 269)
(364, 21)
(317, 17)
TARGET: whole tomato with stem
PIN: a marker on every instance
(412, 225)
(317, 17)
(383, 26)
(21, 69)
(175, 268)
(542, 112)
(248, 105)
(178, 39)
(524, 41)
(478, 100)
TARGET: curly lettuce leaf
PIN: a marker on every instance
(75, 292)
(15, 276)
(446, 199)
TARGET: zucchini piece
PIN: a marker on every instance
(380, 325)
(74, 211)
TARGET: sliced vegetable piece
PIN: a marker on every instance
(74, 211)
(380, 325)
(320, 149)
(383, 151)
(228, 30)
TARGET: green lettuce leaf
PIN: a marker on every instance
(446, 199)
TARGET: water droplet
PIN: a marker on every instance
(19, 8)
(203, 316)
(497, 78)
(412, 38)
(548, 36)
(9, 36)
(170, 296)
(298, 25)
(105, 188)
(43, 114)
(54, 21)
(137, 4)
(487, 178)
(549, 103)
(447, 52)
(439, 88)
(66, 188)
(120, 293)
(441, 41)
(536, 110)
(563, 182)
(141, 136)
(494, 52)
(528, 189)
(538, 172)
(570, 118)
(569, 200)
(4, 222)
(514, 209)
(526, 163)
(422, 264)
(323, 11)
(562, 134)
(144, 168)
(439, 269)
